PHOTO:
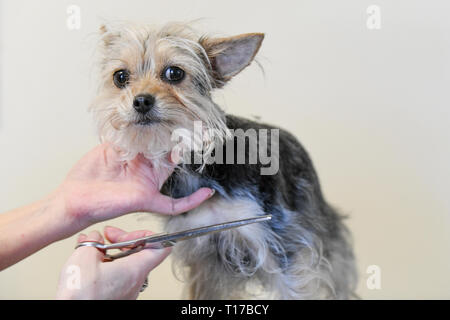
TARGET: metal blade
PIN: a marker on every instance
(164, 240)
(198, 232)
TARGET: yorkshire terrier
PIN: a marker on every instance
(159, 81)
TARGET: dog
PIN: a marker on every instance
(155, 81)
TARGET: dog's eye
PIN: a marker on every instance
(121, 78)
(173, 74)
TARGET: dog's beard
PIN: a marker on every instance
(120, 126)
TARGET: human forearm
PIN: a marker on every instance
(28, 229)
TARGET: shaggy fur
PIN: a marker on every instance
(304, 251)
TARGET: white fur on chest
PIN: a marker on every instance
(232, 246)
(213, 211)
(229, 264)
(232, 256)
(220, 210)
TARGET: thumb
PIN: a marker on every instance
(143, 261)
(90, 252)
(167, 205)
(114, 234)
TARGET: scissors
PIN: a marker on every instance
(164, 240)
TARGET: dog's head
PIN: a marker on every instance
(157, 80)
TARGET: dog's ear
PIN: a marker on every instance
(108, 35)
(229, 56)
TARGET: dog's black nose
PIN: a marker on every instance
(143, 103)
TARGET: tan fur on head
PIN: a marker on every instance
(145, 52)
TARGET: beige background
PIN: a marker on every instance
(371, 106)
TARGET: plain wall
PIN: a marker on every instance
(370, 106)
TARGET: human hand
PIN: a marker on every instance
(101, 187)
(86, 276)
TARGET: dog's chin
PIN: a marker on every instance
(147, 122)
(141, 137)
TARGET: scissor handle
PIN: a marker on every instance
(97, 245)
(120, 245)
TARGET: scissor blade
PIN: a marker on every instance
(171, 238)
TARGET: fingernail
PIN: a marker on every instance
(212, 193)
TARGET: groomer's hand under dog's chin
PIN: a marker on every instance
(101, 186)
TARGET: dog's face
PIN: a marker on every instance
(154, 81)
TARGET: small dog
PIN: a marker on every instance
(157, 81)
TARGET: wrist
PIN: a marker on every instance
(61, 222)
(55, 217)
(67, 219)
